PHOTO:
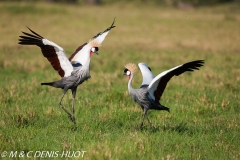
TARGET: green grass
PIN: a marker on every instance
(205, 114)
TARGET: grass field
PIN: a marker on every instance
(204, 122)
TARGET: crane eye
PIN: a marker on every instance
(94, 49)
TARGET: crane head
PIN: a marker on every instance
(130, 68)
(94, 50)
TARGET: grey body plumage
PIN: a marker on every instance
(77, 77)
(141, 96)
(152, 88)
(74, 70)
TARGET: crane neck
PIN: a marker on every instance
(85, 61)
(130, 82)
(84, 69)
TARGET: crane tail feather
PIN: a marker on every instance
(48, 83)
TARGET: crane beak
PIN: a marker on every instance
(96, 52)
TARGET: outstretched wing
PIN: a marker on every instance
(159, 83)
(79, 56)
(54, 53)
(96, 41)
(147, 74)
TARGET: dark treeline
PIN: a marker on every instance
(160, 2)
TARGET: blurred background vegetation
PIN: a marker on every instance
(176, 3)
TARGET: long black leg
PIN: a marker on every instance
(148, 120)
(74, 91)
(61, 106)
(144, 114)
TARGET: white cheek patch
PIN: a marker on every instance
(128, 73)
(93, 49)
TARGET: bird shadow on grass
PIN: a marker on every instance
(181, 128)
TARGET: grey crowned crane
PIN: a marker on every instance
(74, 70)
(152, 88)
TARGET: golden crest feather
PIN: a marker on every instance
(132, 67)
(94, 43)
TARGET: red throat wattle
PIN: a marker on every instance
(91, 53)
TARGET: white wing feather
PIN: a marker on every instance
(62, 57)
(97, 40)
(82, 55)
(154, 84)
(147, 75)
